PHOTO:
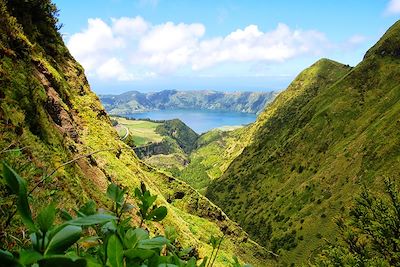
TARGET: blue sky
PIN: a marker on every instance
(151, 45)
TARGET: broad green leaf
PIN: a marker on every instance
(115, 253)
(63, 239)
(18, 187)
(191, 262)
(157, 242)
(62, 261)
(157, 214)
(89, 208)
(65, 215)
(116, 194)
(142, 254)
(91, 219)
(46, 217)
(28, 257)
(133, 236)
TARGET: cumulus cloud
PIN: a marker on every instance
(393, 7)
(251, 44)
(129, 27)
(132, 48)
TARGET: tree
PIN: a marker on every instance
(371, 233)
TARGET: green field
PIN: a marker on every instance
(142, 132)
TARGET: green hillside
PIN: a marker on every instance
(333, 131)
(215, 151)
(134, 101)
(49, 116)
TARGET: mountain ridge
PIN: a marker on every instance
(135, 101)
(313, 149)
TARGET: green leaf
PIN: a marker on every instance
(65, 215)
(89, 208)
(142, 254)
(191, 262)
(115, 252)
(127, 207)
(63, 239)
(170, 233)
(157, 242)
(157, 214)
(133, 236)
(18, 187)
(62, 261)
(91, 220)
(28, 257)
(46, 217)
(116, 194)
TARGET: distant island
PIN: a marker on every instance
(134, 101)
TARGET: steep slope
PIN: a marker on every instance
(214, 151)
(48, 116)
(130, 102)
(331, 132)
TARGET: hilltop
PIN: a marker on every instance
(134, 101)
(333, 131)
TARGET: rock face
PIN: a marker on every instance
(333, 131)
(131, 102)
(49, 116)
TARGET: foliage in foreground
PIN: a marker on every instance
(371, 235)
(93, 238)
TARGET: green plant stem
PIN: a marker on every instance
(216, 252)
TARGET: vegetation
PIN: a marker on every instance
(333, 131)
(141, 132)
(94, 238)
(130, 102)
(370, 235)
(49, 117)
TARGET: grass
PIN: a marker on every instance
(333, 131)
(143, 132)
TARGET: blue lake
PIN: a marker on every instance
(199, 120)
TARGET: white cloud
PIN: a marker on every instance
(393, 7)
(168, 46)
(91, 45)
(132, 48)
(129, 27)
(251, 44)
(114, 69)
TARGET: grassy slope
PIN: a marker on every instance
(142, 132)
(48, 111)
(215, 151)
(331, 132)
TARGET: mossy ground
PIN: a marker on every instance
(48, 116)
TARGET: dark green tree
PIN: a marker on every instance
(371, 233)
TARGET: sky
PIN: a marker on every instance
(226, 45)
